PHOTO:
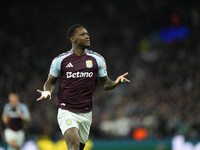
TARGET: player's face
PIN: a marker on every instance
(14, 100)
(82, 38)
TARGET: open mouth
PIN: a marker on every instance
(87, 41)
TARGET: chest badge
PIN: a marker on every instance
(89, 64)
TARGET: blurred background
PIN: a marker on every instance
(156, 41)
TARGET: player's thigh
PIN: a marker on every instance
(71, 136)
(66, 120)
(20, 138)
(84, 126)
(9, 135)
(17, 136)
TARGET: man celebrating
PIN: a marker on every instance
(79, 68)
(14, 114)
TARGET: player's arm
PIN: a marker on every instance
(48, 88)
(5, 118)
(25, 114)
(24, 118)
(108, 84)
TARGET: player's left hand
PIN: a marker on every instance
(122, 78)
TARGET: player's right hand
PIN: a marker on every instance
(45, 95)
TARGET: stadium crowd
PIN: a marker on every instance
(163, 95)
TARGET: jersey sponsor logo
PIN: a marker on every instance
(79, 74)
(69, 65)
(89, 64)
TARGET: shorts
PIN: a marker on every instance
(17, 136)
(81, 121)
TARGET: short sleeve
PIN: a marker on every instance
(6, 109)
(55, 68)
(25, 111)
(102, 70)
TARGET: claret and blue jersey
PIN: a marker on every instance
(15, 122)
(79, 74)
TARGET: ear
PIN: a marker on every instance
(72, 39)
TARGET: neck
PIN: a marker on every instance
(78, 52)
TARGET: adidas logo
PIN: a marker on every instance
(69, 65)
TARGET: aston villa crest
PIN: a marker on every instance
(88, 63)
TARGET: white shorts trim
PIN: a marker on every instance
(18, 136)
(81, 121)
